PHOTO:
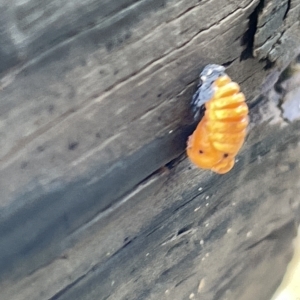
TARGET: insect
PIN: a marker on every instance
(221, 132)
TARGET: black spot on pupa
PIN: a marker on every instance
(225, 155)
(200, 151)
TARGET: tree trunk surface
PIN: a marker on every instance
(98, 200)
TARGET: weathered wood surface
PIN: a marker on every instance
(94, 100)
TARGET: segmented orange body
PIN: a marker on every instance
(221, 133)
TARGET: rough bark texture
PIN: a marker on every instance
(94, 101)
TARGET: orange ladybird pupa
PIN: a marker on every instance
(221, 132)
